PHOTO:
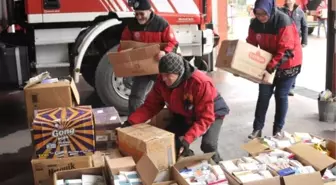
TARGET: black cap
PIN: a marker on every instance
(171, 63)
(141, 5)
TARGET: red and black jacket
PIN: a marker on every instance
(196, 99)
(157, 30)
(279, 37)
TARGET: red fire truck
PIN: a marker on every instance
(73, 36)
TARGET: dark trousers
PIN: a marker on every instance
(141, 85)
(282, 87)
(209, 139)
(294, 82)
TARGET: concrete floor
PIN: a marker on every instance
(240, 94)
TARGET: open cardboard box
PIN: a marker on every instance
(187, 161)
(308, 156)
(77, 173)
(233, 180)
(147, 170)
(50, 95)
(44, 169)
(135, 59)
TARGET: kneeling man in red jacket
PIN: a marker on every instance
(193, 99)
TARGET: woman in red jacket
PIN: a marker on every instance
(275, 32)
(191, 96)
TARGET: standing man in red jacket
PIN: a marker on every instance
(275, 32)
(191, 96)
(149, 28)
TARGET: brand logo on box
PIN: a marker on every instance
(70, 166)
(257, 57)
(60, 133)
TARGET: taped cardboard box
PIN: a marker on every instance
(52, 95)
(135, 59)
(243, 59)
(64, 132)
(146, 169)
(44, 169)
(142, 139)
(77, 174)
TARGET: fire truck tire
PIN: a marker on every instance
(111, 90)
(310, 30)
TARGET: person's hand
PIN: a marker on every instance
(265, 76)
(160, 55)
(126, 124)
(184, 148)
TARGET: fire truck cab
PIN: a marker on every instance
(73, 37)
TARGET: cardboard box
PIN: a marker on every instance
(98, 157)
(147, 170)
(107, 120)
(142, 139)
(53, 95)
(243, 59)
(135, 59)
(269, 181)
(162, 120)
(64, 132)
(187, 161)
(43, 169)
(308, 156)
(310, 18)
(77, 173)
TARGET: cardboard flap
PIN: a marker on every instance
(184, 160)
(127, 44)
(304, 179)
(254, 147)
(74, 91)
(147, 170)
(120, 164)
(311, 156)
(331, 146)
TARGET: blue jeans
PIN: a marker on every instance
(282, 87)
(294, 82)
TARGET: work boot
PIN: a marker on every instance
(255, 134)
(291, 92)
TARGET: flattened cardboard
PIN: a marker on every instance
(77, 173)
(310, 156)
(53, 95)
(304, 179)
(254, 147)
(243, 59)
(44, 169)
